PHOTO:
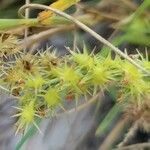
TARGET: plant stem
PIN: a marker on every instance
(6, 24)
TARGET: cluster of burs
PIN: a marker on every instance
(43, 82)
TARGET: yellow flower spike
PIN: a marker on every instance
(52, 97)
(59, 4)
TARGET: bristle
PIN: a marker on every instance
(37, 127)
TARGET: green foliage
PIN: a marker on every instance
(135, 31)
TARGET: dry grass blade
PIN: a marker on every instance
(43, 35)
(139, 146)
(114, 134)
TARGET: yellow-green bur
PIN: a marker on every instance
(69, 75)
(83, 60)
(136, 85)
(27, 114)
(100, 76)
(52, 97)
(35, 82)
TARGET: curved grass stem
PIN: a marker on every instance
(85, 28)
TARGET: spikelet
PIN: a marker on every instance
(48, 60)
(26, 116)
(133, 83)
(35, 82)
(52, 97)
(8, 45)
(83, 59)
(27, 64)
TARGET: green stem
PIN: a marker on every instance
(6, 24)
(29, 134)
